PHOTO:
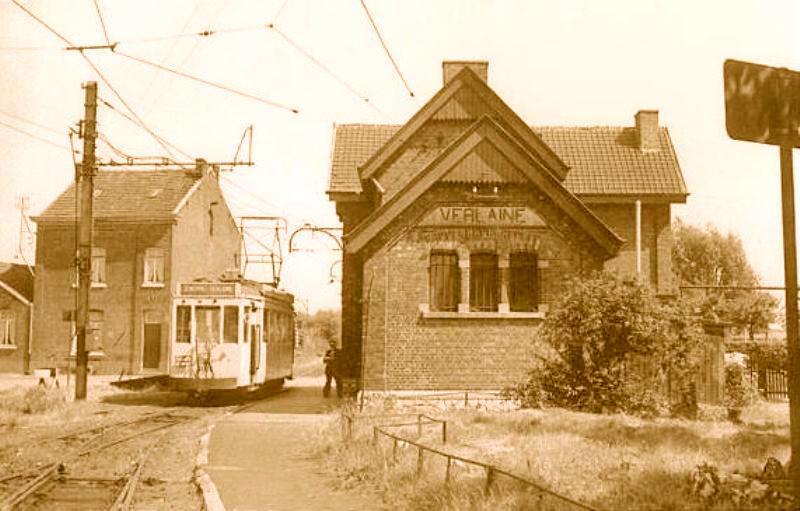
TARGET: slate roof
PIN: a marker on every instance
(18, 277)
(602, 160)
(127, 194)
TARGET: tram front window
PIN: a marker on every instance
(230, 328)
(183, 324)
(207, 325)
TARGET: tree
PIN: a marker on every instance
(611, 343)
(709, 258)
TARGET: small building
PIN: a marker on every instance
(16, 307)
(462, 225)
(152, 230)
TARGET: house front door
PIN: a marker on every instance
(152, 346)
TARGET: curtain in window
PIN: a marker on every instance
(98, 266)
(6, 328)
(522, 292)
(154, 266)
(445, 281)
(483, 282)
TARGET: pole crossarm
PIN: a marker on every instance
(312, 228)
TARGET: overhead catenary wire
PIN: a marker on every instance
(324, 68)
(32, 123)
(130, 119)
(386, 48)
(208, 82)
(99, 74)
(102, 21)
(31, 135)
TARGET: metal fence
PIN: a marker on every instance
(455, 465)
(773, 384)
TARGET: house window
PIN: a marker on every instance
(183, 323)
(153, 266)
(445, 281)
(483, 282)
(98, 265)
(230, 326)
(7, 328)
(522, 288)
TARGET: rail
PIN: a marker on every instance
(492, 471)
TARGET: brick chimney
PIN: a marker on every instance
(450, 69)
(647, 130)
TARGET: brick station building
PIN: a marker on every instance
(462, 225)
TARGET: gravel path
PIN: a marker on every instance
(257, 461)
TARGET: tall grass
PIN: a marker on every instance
(609, 461)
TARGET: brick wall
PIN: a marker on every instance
(656, 258)
(191, 251)
(405, 350)
(12, 360)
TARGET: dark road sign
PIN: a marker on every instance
(762, 103)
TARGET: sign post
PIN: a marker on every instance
(762, 105)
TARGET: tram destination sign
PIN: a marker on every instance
(209, 289)
(762, 103)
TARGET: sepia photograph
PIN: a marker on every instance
(399, 255)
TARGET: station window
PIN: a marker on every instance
(230, 327)
(183, 323)
(445, 281)
(522, 288)
(483, 282)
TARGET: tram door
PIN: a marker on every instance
(255, 348)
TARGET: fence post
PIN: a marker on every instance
(447, 471)
(419, 462)
(466, 399)
(489, 480)
(444, 432)
(419, 425)
(394, 450)
(375, 435)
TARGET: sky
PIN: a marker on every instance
(566, 63)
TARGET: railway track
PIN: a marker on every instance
(60, 486)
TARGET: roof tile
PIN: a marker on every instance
(602, 160)
(127, 194)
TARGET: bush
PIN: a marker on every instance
(41, 399)
(739, 390)
(611, 344)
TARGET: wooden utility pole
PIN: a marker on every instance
(85, 189)
(790, 270)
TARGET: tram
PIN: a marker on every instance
(230, 335)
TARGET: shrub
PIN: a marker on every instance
(739, 390)
(41, 399)
(611, 344)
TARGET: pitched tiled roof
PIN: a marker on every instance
(18, 277)
(133, 194)
(602, 160)
(607, 160)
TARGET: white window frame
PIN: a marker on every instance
(7, 327)
(153, 268)
(98, 267)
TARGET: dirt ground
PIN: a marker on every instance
(28, 441)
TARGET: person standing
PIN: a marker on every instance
(332, 370)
